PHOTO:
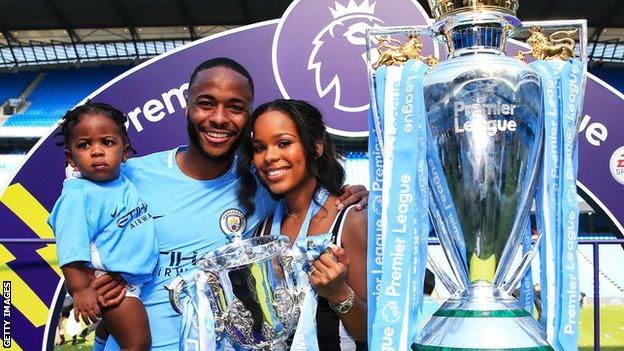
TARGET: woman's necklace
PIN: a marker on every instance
(293, 217)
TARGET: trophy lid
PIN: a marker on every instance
(443, 8)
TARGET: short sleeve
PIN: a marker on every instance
(70, 225)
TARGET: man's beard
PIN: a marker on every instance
(193, 135)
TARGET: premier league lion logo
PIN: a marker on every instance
(347, 32)
(319, 55)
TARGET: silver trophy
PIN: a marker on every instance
(485, 139)
(251, 288)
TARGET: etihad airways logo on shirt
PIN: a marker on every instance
(134, 217)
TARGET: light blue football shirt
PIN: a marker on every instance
(191, 218)
(106, 225)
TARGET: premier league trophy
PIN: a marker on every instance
(246, 290)
(485, 121)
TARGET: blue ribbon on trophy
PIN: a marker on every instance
(374, 247)
(557, 204)
(304, 251)
(403, 217)
(197, 331)
(413, 108)
(487, 142)
(546, 209)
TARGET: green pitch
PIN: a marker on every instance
(611, 328)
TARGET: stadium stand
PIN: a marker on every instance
(13, 84)
(610, 275)
(356, 168)
(59, 91)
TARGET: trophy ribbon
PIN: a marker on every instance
(547, 189)
(198, 329)
(305, 250)
(557, 204)
(405, 202)
(374, 250)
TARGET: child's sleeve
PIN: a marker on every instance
(71, 227)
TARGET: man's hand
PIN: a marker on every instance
(353, 194)
(110, 288)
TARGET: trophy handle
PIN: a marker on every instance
(445, 279)
(392, 52)
(212, 282)
(521, 270)
(558, 44)
(175, 289)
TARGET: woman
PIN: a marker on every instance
(286, 142)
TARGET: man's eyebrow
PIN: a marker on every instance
(204, 96)
(237, 100)
(208, 96)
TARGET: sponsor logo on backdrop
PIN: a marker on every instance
(616, 165)
(339, 41)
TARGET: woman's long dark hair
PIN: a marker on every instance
(310, 127)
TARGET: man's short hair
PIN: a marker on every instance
(223, 62)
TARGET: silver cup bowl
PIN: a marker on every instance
(252, 290)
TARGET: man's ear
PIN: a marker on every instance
(69, 158)
(318, 145)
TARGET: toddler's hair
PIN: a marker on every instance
(72, 117)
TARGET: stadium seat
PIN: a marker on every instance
(59, 91)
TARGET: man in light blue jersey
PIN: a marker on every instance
(192, 191)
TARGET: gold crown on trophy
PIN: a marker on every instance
(441, 8)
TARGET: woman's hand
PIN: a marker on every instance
(86, 306)
(328, 275)
(353, 194)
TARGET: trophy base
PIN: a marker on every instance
(478, 320)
